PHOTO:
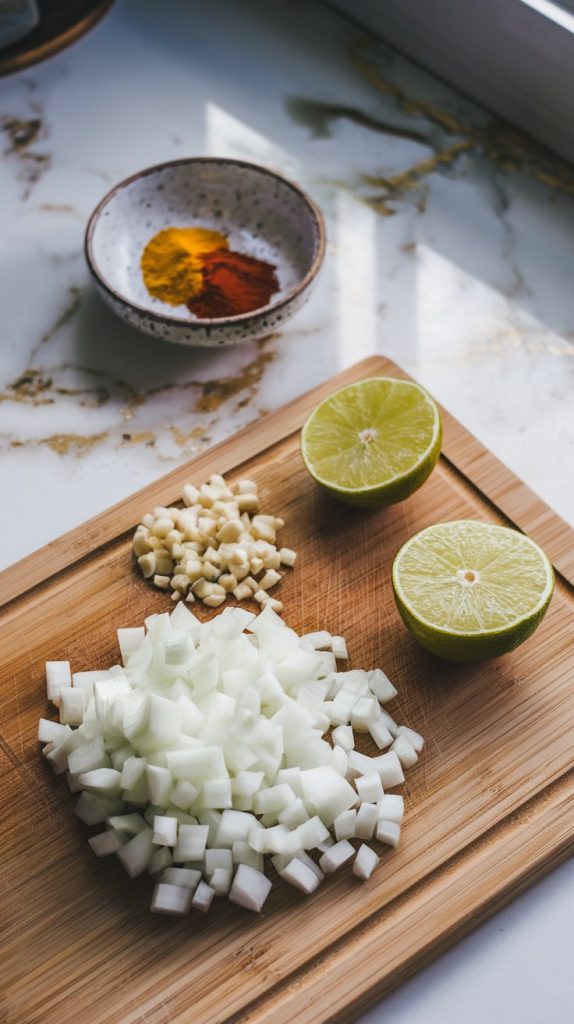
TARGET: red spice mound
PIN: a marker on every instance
(233, 284)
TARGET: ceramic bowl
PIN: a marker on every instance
(261, 213)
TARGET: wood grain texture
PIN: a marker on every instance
(489, 805)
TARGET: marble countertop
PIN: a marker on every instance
(450, 249)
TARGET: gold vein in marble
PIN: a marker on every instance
(63, 444)
(21, 135)
(35, 387)
(397, 186)
(501, 143)
(215, 392)
(146, 437)
(317, 117)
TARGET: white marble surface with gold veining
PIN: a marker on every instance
(450, 248)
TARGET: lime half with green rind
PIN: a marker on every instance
(373, 443)
(469, 589)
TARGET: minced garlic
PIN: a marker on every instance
(217, 544)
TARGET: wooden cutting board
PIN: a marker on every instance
(489, 805)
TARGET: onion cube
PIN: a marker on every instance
(389, 768)
(136, 854)
(340, 761)
(311, 864)
(293, 815)
(281, 860)
(339, 647)
(336, 856)
(345, 824)
(188, 878)
(133, 769)
(257, 839)
(369, 788)
(85, 681)
(276, 798)
(183, 794)
(250, 888)
(388, 832)
(292, 776)
(89, 757)
(301, 876)
(138, 794)
(361, 764)
(171, 899)
(203, 897)
(389, 721)
(365, 862)
(73, 784)
(220, 881)
(176, 652)
(340, 711)
(200, 763)
(405, 752)
(131, 824)
(130, 640)
(366, 821)
(52, 732)
(380, 733)
(326, 844)
(234, 826)
(94, 810)
(108, 842)
(159, 782)
(164, 830)
(160, 859)
(72, 706)
(328, 664)
(191, 842)
(212, 819)
(343, 737)
(104, 781)
(244, 854)
(246, 783)
(381, 686)
(182, 620)
(415, 739)
(191, 717)
(56, 757)
(364, 713)
(321, 639)
(164, 722)
(311, 833)
(119, 757)
(216, 793)
(391, 808)
(327, 792)
(58, 675)
(279, 839)
(218, 859)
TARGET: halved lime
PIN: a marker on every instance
(373, 443)
(468, 589)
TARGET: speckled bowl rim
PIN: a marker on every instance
(219, 321)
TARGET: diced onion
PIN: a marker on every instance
(208, 750)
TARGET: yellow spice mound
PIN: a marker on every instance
(172, 262)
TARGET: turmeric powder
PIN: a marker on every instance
(172, 262)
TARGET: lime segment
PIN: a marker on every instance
(374, 442)
(469, 589)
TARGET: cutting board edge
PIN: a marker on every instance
(513, 498)
(483, 877)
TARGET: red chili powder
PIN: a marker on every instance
(233, 284)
